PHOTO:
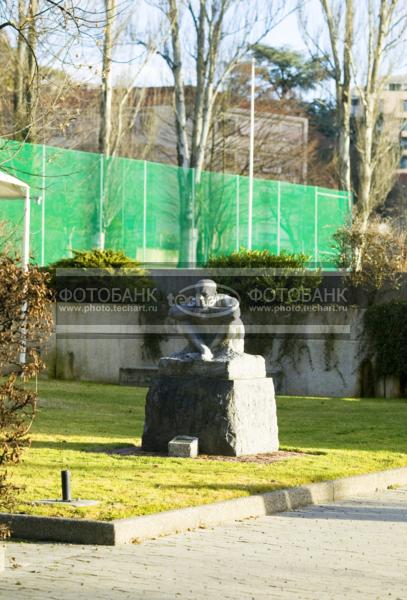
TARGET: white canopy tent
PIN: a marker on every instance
(12, 188)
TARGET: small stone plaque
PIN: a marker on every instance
(183, 446)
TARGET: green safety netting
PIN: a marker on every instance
(83, 200)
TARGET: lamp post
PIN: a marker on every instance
(251, 158)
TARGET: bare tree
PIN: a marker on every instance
(105, 114)
(118, 110)
(384, 22)
(363, 39)
(220, 32)
(338, 17)
(31, 83)
(341, 28)
(105, 129)
(41, 34)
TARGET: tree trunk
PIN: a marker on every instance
(208, 33)
(187, 253)
(367, 196)
(342, 76)
(345, 101)
(105, 129)
(19, 72)
(344, 169)
(365, 202)
(186, 219)
(200, 84)
(206, 94)
(32, 79)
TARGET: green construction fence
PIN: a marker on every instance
(82, 200)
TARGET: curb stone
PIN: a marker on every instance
(137, 529)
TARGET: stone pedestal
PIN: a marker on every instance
(228, 404)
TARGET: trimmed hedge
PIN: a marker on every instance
(109, 264)
(273, 272)
(96, 259)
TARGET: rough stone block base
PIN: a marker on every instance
(230, 417)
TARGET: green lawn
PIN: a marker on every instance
(341, 436)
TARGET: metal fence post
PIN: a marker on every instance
(145, 211)
(237, 213)
(193, 197)
(278, 217)
(101, 199)
(43, 208)
(316, 225)
(123, 179)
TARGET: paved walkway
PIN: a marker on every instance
(354, 549)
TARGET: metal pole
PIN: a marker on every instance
(145, 211)
(193, 198)
(251, 159)
(43, 209)
(66, 485)
(316, 226)
(278, 217)
(122, 199)
(101, 198)
(237, 213)
(194, 237)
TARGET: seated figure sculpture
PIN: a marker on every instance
(211, 390)
(211, 323)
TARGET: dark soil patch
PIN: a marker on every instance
(263, 459)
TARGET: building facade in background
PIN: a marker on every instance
(281, 142)
(393, 106)
(147, 127)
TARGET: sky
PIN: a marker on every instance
(84, 58)
(85, 61)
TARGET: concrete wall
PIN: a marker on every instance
(108, 347)
(328, 365)
(314, 353)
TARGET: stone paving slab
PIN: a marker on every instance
(353, 549)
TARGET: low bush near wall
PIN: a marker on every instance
(386, 329)
(97, 269)
(374, 259)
